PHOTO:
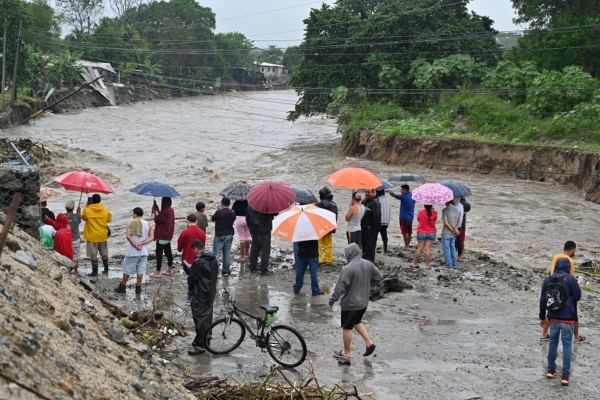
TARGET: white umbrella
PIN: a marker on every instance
(302, 223)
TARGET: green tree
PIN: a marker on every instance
(292, 58)
(82, 15)
(236, 60)
(352, 43)
(272, 54)
(42, 22)
(561, 33)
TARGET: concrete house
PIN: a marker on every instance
(271, 71)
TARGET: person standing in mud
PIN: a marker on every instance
(224, 219)
(138, 233)
(353, 288)
(260, 225)
(164, 218)
(561, 318)
(201, 219)
(95, 232)
(426, 231)
(355, 213)
(450, 218)
(460, 239)
(370, 224)
(386, 214)
(407, 213)
(74, 221)
(240, 208)
(564, 259)
(202, 284)
(326, 242)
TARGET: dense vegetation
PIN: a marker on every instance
(432, 68)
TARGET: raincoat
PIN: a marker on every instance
(96, 218)
(165, 221)
(63, 238)
(202, 284)
(259, 223)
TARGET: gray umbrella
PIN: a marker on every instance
(304, 195)
(457, 188)
(407, 177)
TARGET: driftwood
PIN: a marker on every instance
(110, 304)
(390, 283)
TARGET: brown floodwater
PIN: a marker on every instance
(201, 145)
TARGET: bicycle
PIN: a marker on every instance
(285, 344)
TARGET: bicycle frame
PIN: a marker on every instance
(239, 312)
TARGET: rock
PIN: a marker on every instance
(6, 267)
(14, 389)
(116, 334)
(143, 350)
(75, 322)
(29, 345)
(14, 246)
(6, 293)
(87, 284)
(77, 336)
(63, 364)
(63, 261)
(55, 274)
(139, 371)
(165, 395)
(66, 386)
(25, 257)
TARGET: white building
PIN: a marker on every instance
(271, 71)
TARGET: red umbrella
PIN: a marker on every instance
(271, 197)
(84, 182)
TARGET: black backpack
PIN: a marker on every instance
(556, 298)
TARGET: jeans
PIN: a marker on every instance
(384, 236)
(222, 245)
(449, 249)
(159, 253)
(313, 267)
(261, 244)
(565, 331)
(296, 247)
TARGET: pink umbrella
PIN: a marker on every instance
(271, 197)
(432, 194)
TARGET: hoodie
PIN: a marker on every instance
(202, 281)
(328, 204)
(96, 218)
(354, 284)
(165, 221)
(63, 239)
(572, 290)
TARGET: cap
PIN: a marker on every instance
(70, 205)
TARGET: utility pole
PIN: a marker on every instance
(3, 66)
(14, 88)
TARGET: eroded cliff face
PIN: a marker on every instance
(538, 163)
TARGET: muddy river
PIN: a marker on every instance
(201, 145)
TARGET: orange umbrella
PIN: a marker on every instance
(354, 178)
(301, 223)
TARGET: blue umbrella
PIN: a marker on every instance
(155, 189)
(384, 185)
(458, 189)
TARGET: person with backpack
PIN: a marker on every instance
(326, 242)
(565, 258)
(558, 302)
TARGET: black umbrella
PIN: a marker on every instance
(304, 195)
(457, 188)
(407, 177)
(237, 192)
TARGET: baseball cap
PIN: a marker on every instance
(70, 205)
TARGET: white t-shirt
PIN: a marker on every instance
(49, 229)
(131, 250)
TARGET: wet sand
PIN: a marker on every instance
(432, 350)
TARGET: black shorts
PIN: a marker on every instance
(355, 237)
(351, 318)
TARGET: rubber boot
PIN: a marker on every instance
(138, 289)
(384, 247)
(105, 263)
(94, 268)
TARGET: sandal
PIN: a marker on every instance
(167, 273)
(155, 274)
(428, 267)
(413, 265)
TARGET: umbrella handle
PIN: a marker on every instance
(80, 197)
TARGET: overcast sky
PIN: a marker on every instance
(284, 27)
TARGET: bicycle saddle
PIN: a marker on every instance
(270, 309)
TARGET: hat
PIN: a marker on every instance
(70, 205)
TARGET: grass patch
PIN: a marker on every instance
(589, 289)
(484, 118)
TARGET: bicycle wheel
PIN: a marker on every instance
(224, 336)
(286, 346)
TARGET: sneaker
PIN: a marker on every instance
(138, 289)
(319, 293)
(551, 374)
(582, 339)
(121, 288)
(340, 356)
(370, 350)
(188, 303)
(564, 380)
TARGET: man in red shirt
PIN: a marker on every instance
(184, 242)
(63, 243)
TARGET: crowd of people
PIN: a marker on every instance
(366, 219)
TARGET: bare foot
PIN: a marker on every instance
(413, 265)
(427, 267)
(406, 248)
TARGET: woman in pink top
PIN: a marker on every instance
(425, 234)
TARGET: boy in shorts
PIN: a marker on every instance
(139, 233)
(353, 288)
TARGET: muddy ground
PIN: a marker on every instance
(471, 333)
